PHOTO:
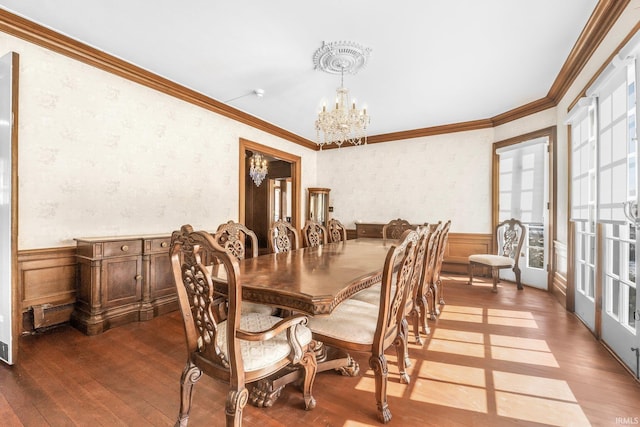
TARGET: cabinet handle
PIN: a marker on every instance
(163, 245)
(138, 277)
(124, 248)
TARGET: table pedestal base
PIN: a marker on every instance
(266, 391)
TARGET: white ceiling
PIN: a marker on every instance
(432, 62)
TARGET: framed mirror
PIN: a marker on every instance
(318, 205)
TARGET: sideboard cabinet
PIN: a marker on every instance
(122, 280)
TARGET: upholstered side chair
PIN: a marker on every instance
(283, 237)
(509, 236)
(235, 238)
(394, 229)
(241, 348)
(336, 231)
(363, 327)
(314, 233)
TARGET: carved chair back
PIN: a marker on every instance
(283, 237)
(394, 229)
(233, 237)
(337, 231)
(223, 349)
(509, 238)
(314, 234)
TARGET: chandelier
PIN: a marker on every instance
(345, 123)
(258, 170)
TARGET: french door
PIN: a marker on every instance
(604, 206)
(523, 194)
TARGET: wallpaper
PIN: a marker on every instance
(103, 156)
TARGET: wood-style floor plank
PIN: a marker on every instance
(506, 359)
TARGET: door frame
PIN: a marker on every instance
(296, 177)
(550, 133)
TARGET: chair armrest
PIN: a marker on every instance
(281, 326)
(291, 325)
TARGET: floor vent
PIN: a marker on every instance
(47, 315)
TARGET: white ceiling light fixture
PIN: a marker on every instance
(345, 123)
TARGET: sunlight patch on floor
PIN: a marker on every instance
(461, 317)
(455, 347)
(394, 388)
(462, 309)
(524, 356)
(450, 395)
(539, 410)
(534, 386)
(510, 313)
(457, 335)
(510, 321)
(517, 342)
(457, 374)
(350, 423)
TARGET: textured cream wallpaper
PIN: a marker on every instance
(421, 180)
(102, 156)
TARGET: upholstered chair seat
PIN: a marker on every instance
(258, 355)
(353, 320)
(492, 260)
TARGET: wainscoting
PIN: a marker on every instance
(47, 278)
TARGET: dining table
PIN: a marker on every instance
(312, 281)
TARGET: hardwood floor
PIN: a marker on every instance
(511, 358)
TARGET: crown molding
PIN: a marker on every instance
(602, 19)
(34, 33)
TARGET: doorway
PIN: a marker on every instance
(278, 196)
(523, 190)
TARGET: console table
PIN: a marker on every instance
(122, 280)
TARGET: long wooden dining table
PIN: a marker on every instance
(313, 281)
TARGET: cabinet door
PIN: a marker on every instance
(121, 281)
(161, 276)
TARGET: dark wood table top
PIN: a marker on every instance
(313, 280)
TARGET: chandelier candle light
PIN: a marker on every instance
(345, 123)
(258, 170)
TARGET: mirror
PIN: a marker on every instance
(318, 205)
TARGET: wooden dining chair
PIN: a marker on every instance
(233, 237)
(362, 327)
(283, 237)
(509, 236)
(437, 288)
(315, 234)
(240, 348)
(336, 231)
(394, 228)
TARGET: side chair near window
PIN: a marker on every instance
(233, 237)
(394, 229)
(362, 327)
(423, 291)
(509, 238)
(336, 231)
(283, 237)
(314, 234)
(437, 288)
(238, 349)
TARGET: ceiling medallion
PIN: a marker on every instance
(342, 124)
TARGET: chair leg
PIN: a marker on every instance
(470, 268)
(190, 375)
(404, 332)
(379, 365)
(495, 274)
(435, 311)
(516, 270)
(415, 318)
(236, 400)
(310, 366)
(441, 287)
(423, 304)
